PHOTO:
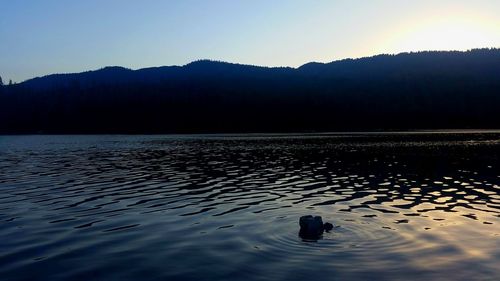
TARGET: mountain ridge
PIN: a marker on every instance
(305, 65)
(424, 90)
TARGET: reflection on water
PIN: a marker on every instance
(406, 206)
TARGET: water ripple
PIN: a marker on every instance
(412, 206)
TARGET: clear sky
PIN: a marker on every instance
(39, 37)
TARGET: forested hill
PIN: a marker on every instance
(426, 90)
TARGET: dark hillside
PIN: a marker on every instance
(427, 90)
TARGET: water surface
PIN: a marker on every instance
(406, 206)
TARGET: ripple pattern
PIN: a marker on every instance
(412, 206)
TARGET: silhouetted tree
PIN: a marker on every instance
(1, 81)
(10, 82)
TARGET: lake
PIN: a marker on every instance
(405, 206)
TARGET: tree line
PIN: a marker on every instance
(425, 90)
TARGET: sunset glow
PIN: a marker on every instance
(454, 32)
(46, 37)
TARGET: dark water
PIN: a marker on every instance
(405, 207)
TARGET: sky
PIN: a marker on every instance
(59, 36)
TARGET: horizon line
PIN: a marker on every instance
(263, 66)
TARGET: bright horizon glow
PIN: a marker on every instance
(445, 33)
(57, 36)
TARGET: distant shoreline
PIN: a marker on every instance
(405, 92)
(277, 134)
